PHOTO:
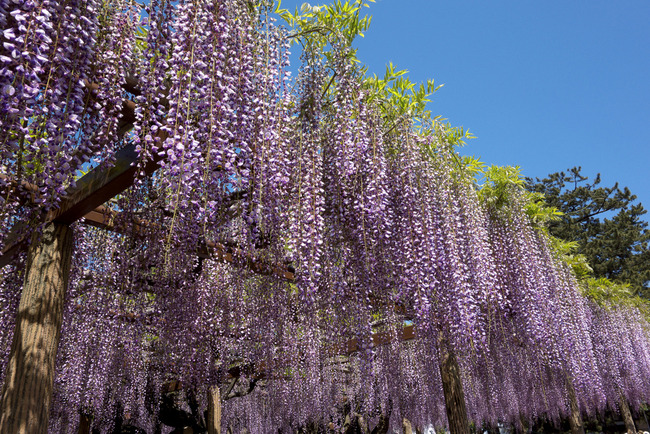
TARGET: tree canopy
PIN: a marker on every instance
(606, 223)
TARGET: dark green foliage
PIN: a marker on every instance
(606, 224)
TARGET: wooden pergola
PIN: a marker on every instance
(29, 379)
(27, 392)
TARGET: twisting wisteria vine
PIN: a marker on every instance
(314, 246)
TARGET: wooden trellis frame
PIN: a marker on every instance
(103, 217)
(85, 203)
(26, 395)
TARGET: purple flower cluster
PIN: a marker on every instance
(62, 65)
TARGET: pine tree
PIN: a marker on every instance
(606, 223)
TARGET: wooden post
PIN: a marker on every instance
(452, 387)
(523, 425)
(575, 419)
(407, 428)
(383, 424)
(361, 424)
(213, 421)
(84, 423)
(627, 415)
(29, 379)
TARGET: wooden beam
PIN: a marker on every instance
(17, 240)
(13, 248)
(213, 416)
(104, 217)
(260, 370)
(98, 186)
(452, 387)
(219, 252)
(378, 339)
(91, 190)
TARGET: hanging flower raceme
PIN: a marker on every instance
(209, 111)
(620, 335)
(62, 68)
(108, 334)
(542, 323)
(10, 289)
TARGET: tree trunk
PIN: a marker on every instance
(575, 419)
(453, 391)
(627, 416)
(213, 421)
(29, 379)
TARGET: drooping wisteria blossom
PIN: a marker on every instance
(62, 65)
(620, 335)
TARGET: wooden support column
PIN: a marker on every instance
(575, 419)
(627, 415)
(213, 421)
(84, 423)
(383, 424)
(407, 428)
(27, 392)
(453, 390)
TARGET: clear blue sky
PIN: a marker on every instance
(543, 85)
